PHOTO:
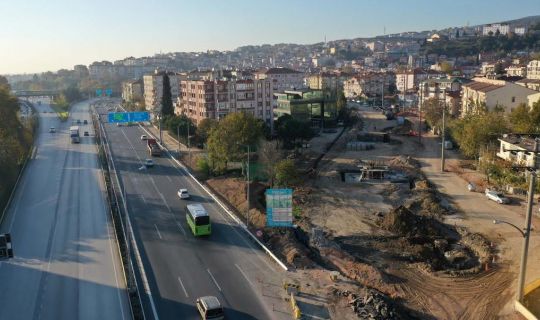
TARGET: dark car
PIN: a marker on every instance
(86, 134)
(85, 121)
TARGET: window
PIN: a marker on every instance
(513, 99)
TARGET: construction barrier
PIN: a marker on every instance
(297, 314)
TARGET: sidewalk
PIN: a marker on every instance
(178, 150)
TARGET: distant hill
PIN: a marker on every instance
(526, 21)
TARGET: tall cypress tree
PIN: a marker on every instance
(166, 99)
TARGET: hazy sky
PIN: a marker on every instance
(41, 35)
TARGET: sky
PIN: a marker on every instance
(47, 35)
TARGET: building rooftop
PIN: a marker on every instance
(278, 71)
(482, 86)
(523, 142)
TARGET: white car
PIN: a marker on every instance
(149, 163)
(183, 194)
(144, 137)
(497, 197)
(52, 129)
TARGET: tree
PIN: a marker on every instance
(446, 67)
(289, 130)
(166, 99)
(524, 119)
(341, 100)
(71, 94)
(228, 139)
(178, 125)
(477, 130)
(498, 68)
(4, 83)
(269, 155)
(204, 128)
(286, 173)
(432, 111)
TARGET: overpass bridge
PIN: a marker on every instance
(37, 95)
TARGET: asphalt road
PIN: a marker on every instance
(66, 263)
(179, 266)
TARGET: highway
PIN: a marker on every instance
(66, 263)
(179, 266)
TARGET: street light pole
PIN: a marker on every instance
(178, 138)
(160, 125)
(248, 198)
(443, 135)
(188, 142)
(525, 250)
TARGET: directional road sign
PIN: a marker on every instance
(279, 207)
(122, 117)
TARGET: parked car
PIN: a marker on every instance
(497, 196)
(86, 134)
(78, 121)
(183, 194)
(148, 163)
(144, 137)
(85, 121)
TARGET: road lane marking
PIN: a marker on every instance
(160, 194)
(183, 288)
(214, 279)
(170, 180)
(244, 274)
(158, 233)
(182, 229)
(143, 198)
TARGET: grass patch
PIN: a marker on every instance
(61, 111)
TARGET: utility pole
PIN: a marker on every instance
(248, 198)
(420, 113)
(178, 138)
(188, 143)
(530, 198)
(443, 132)
(160, 126)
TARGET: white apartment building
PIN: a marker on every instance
(410, 79)
(516, 71)
(493, 28)
(509, 146)
(533, 69)
(132, 90)
(492, 93)
(286, 79)
(153, 89)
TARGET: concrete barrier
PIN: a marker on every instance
(524, 311)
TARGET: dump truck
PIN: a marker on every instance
(153, 148)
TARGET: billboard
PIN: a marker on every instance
(279, 207)
(121, 117)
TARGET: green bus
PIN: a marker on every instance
(198, 219)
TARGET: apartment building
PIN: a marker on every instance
(367, 85)
(132, 90)
(409, 80)
(493, 29)
(492, 93)
(214, 99)
(153, 89)
(286, 79)
(509, 150)
(516, 71)
(533, 69)
(101, 70)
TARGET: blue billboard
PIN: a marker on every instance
(122, 117)
(279, 207)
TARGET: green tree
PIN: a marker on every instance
(166, 99)
(179, 125)
(4, 83)
(71, 94)
(432, 111)
(269, 155)
(446, 67)
(341, 100)
(475, 131)
(286, 173)
(226, 141)
(524, 119)
(289, 130)
(204, 128)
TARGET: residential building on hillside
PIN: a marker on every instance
(316, 106)
(510, 143)
(492, 93)
(516, 71)
(410, 79)
(493, 29)
(533, 69)
(375, 46)
(132, 90)
(153, 89)
(367, 85)
(286, 79)
(214, 99)
(100, 70)
(81, 70)
(533, 84)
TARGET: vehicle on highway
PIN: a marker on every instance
(118, 124)
(86, 134)
(74, 134)
(153, 148)
(198, 219)
(183, 194)
(144, 137)
(85, 121)
(52, 129)
(78, 121)
(210, 308)
(497, 197)
(148, 163)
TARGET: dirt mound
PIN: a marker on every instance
(404, 161)
(285, 245)
(403, 222)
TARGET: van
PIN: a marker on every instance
(210, 308)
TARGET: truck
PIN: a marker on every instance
(153, 148)
(74, 134)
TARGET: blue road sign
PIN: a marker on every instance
(98, 92)
(121, 117)
(139, 116)
(108, 92)
(279, 207)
